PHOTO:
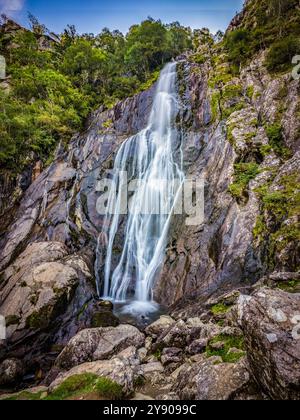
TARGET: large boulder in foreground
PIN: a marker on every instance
(210, 379)
(270, 320)
(119, 369)
(37, 288)
(98, 344)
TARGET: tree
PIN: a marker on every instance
(36, 26)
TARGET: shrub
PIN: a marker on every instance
(279, 57)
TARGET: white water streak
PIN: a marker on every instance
(149, 157)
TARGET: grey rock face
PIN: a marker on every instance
(98, 344)
(270, 320)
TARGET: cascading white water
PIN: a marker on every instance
(149, 158)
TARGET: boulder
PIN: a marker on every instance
(197, 346)
(171, 355)
(10, 371)
(119, 369)
(38, 287)
(270, 320)
(210, 379)
(98, 344)
(159, 326)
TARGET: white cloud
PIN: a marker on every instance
(11, 6)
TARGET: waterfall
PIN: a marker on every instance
(154, 158)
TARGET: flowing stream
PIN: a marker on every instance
(153, 157)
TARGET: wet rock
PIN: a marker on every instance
(98, 344)
(209, 379)
(270, 320)
(11, 370)
(105, 318)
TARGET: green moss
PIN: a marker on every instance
(232, 91)
(104, 319)
(38, 320)
(220, 309)
(25, 396)
(139, 381)
(244, 173)
(87, 383)
(250, 92)
(215, 105)
(229, 342)
(198, 58)
(12, 320)
(292, 286)
(230, 110)
(107, 124)
(259, 228)
(277, 206)
(157, 354)
(150, 82)
(276, 140)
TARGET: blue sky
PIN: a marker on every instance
(93, 15)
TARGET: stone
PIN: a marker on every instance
(119, 369)
(159, 326)
(197, 346)
(104, 318)
(219, 345)
(38, 285)
(171, 355)
(270, 320)
(209, 379)
(141, 397)
(106, 304)
(98, 344)
(11, 370)
(171, 396)
(148, 369)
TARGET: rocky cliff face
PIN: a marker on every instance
(48, 252)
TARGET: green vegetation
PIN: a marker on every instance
(220, 309)
(84, 384)
(77, 386)
(291, 286)
(270, 24)
(276, 141)
(244, 173)
(229, 342)
(280, 55)
(278, 206)
(26, 396)
(52, 88)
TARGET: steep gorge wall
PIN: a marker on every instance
(56, 226)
